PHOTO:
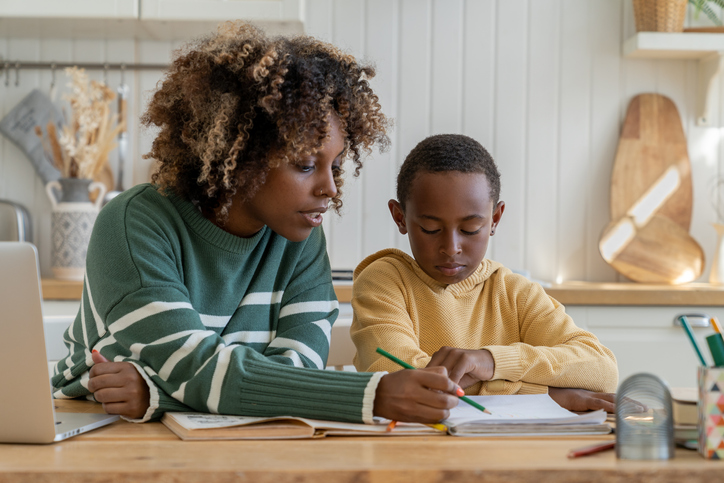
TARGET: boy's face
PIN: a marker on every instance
(449, 218)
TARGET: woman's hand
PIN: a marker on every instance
(466, 367)
(583, 400)
(119, 386)
(421, 396)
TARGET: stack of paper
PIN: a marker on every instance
(518, 415)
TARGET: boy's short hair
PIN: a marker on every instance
(447, 152)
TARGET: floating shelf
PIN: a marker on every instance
(707, 48)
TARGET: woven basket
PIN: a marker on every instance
(659, 15)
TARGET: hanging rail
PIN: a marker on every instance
(15, 64)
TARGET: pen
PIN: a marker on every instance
(586, 450)
(690, 334)
(408, 366)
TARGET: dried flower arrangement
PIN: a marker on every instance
(81, 150)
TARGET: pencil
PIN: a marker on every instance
(408, 366)
(690, 334)
(586, 450)
(715, 324)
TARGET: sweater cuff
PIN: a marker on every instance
(530, 388)
(507, 362)
(368, 403)
(153, 400)
(272, 389)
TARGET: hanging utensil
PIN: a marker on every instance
(122, 135)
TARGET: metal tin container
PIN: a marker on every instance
(14, 222)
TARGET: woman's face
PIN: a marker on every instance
(295, 195)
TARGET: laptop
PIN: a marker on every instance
(27, 413)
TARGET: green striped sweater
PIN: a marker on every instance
(213, 322)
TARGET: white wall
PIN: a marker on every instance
(540, 83)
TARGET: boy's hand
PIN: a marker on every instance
(119, 386)
(466, 367)
(422, 395)
(582, 400)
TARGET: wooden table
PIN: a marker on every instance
(149, 452)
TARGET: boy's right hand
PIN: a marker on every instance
(421, 395)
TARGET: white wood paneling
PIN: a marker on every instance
(543, 122)
(511, 74)
(541, 84)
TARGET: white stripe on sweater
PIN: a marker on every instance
(326, 328)
(301, 348)
(296, 360)
(100, 327)
(189, 346)
(146, 311)
(222, 365)
(250, 337)
(262, 298)
(215, 320)
(180, 393)
(323, 306)
(138, 347)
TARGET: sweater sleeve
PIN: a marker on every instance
(381, 319)
(135, 308)
(552, 350)
(308, 310)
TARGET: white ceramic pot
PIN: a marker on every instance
(71, 224)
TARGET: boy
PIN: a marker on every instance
(495, 332)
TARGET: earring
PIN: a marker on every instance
(492, 232)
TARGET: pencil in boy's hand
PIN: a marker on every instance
(408, 366)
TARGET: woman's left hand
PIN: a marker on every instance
(119, 386)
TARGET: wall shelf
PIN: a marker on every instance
(707, 48)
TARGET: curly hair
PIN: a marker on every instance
(237, 103)
(447, 152)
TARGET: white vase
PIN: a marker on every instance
(71, 224)
(717, 265)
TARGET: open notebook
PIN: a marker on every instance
(511, 415)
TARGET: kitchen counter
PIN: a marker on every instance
(568, 293)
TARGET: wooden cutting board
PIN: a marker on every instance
(661, 251)
(652, 140)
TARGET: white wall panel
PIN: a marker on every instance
(542, 124)
(574, 159)
(381, 42)
(540, 83)
(604, 18)
(511, 74)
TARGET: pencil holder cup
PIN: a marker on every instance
(711, 412)
(644, 419)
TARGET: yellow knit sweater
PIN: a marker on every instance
(535, 344)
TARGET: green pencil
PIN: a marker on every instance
(408, 366)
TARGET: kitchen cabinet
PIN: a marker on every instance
(143, 20)
(707, 48)
(253, 10)
(107, 9)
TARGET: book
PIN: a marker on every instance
(684, 401)
(517, 415)
(202, 426)
(523, 415)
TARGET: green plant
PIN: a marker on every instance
(705, 6)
